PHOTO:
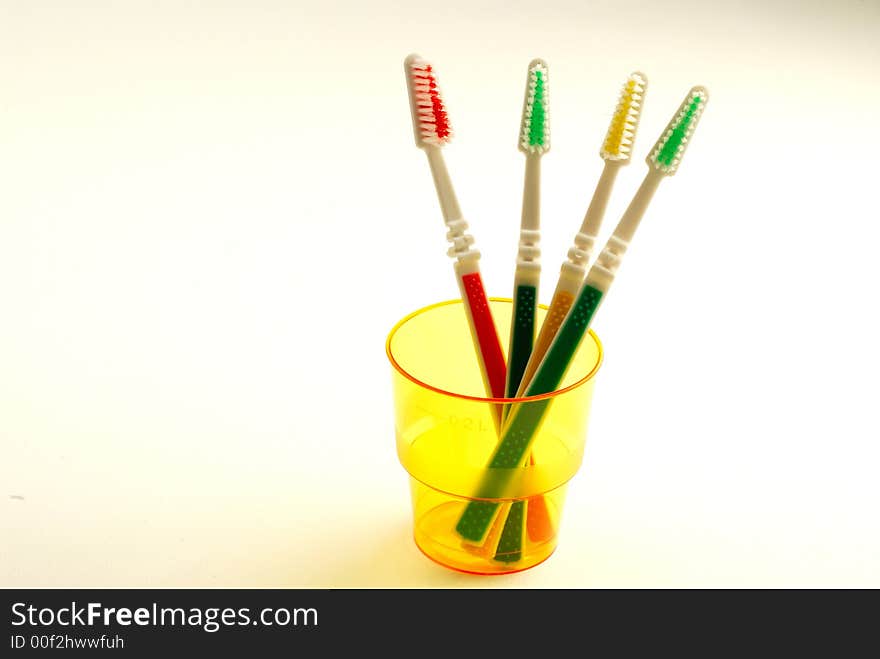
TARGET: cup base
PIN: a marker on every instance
(435, 537)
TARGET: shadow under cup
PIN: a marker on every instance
(446, 435)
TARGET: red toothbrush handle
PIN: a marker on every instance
(486, 334)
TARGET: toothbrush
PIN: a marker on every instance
(534, 142)
(432, 130)
(616, 151)
(525, 418)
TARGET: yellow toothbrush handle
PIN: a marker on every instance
(559, 307)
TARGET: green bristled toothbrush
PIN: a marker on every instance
(534, 142)
(525, 418)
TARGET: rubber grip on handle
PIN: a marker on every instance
(487, 335)
(522, 335)
(559, 307)
(569, 337)
(509, 548)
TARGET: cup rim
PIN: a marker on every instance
(524, 399)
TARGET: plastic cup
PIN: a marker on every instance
(446, 435)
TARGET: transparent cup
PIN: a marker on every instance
(446, 434)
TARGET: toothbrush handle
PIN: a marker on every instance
(522, 335)
(559, 306)
(486, 339)
(509, 549)
(526, 280)
(552, 369)
(527, 275)
(525, 418)
(479, 513)
(485, 336)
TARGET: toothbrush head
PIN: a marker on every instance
(622, 129)
(534, 135)
(430, 123)
(667, 153)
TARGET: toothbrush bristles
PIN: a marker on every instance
(669, 149)
(622, 129)
(432, 120)
(534, 136)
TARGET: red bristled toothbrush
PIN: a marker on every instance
(432, 131)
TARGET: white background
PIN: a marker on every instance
(211, 214)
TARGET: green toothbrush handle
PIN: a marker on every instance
(559, 355)
(525, 418)
(509, 548)
(478, 515)
(522, 335)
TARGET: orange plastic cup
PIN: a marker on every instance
(446, 434)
